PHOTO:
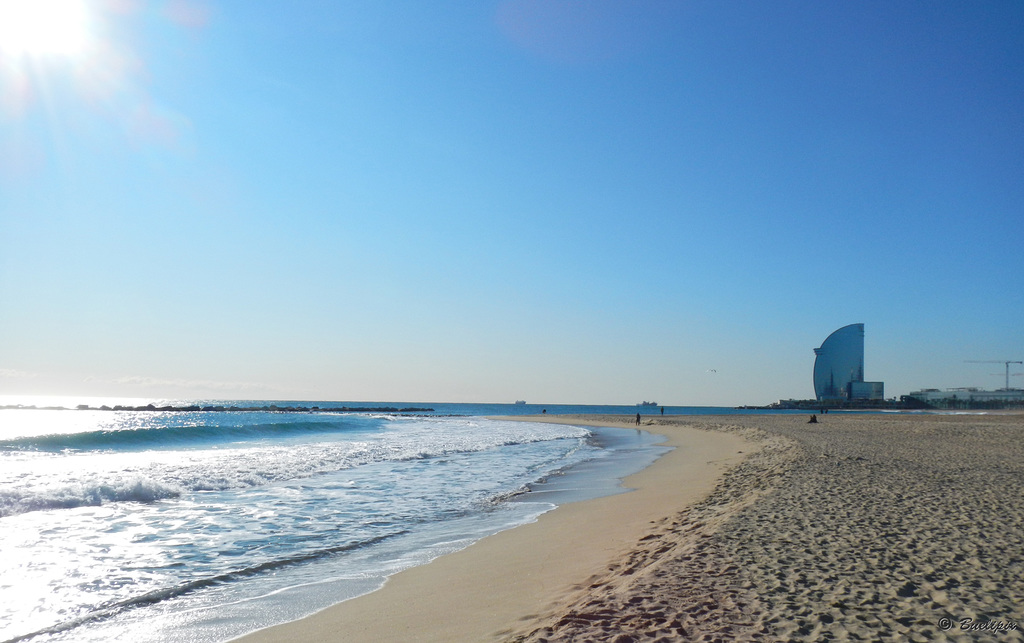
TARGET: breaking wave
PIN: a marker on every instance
(70, 496)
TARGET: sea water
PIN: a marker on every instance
(152, 526)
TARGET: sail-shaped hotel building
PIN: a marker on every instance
(839, 367)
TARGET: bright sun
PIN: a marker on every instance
(43, 27)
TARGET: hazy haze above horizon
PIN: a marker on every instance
(564, 202)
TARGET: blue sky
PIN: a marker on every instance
(593, 202)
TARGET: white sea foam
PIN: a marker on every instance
(109, 535)
(29, 483)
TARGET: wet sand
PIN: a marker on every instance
(862, 527)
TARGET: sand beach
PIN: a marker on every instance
(754, 528)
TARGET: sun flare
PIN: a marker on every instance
(44, 27)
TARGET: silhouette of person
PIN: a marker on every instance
(638, 419)
(813, 420)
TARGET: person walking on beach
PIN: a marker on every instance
(638, 419)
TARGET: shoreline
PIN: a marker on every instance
(903, 526)
(496, 585)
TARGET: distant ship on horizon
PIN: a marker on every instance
(646, 403)
(520, 401)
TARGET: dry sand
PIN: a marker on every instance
(861, 527)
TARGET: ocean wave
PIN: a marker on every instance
(87, 494)
(166, 436)
(93, 477)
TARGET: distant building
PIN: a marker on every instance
(968, 398)
(839, 368)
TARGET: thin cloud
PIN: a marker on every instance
(15, 374)
(208, 385)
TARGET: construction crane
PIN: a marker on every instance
(1006, 362)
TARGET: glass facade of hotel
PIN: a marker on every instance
(839, 361)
